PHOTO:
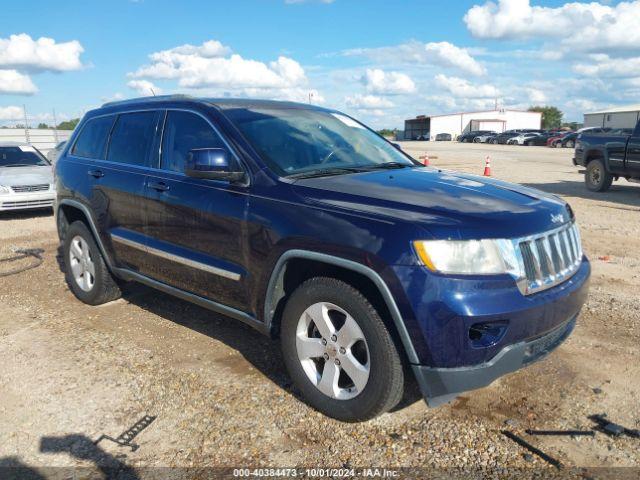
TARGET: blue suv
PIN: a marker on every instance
(305, 224)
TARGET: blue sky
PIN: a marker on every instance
(380, 61)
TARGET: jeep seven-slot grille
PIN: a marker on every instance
(550, 258)
(30, 188)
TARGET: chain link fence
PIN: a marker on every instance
(42, 139)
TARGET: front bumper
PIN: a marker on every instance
(24, 201)
(440, 385)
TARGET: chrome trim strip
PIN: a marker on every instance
(176, 258)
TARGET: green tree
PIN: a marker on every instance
(385, 132)
(551, 116)
(69, 124)
(42, 125)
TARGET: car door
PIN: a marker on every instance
(110, 183)
(632, 159)
(196, 227)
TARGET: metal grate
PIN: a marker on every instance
(550, 258)
(26, 204)
(30, 188)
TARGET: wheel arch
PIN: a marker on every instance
(69, 211)
(291, 269)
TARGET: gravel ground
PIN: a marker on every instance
(72, 373)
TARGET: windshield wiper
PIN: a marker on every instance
(387, 166)
(325, 172)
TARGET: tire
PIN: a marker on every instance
(494, 142)
(476, 140)
(570, 144)
(329, 300)
(85, 270)
(597, 179)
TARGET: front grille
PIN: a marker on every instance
(30, 188)
(538, 348)
(27, 204)
(550, 258)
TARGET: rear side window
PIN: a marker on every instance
(184, 131)
(93, 138)
(132, 138)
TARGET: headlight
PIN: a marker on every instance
(469, 257)
(4, 190)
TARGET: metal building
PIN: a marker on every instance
(425, 127)
(616, 117)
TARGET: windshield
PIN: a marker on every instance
(21, 156)
(298, 141)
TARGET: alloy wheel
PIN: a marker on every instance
(333, 351)
(81, 263)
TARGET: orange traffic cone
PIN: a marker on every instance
(487, 167)
(425, 160)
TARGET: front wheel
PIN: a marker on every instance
(339, 352)
(597, 179)
(570, 144)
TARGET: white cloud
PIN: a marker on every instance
(535, 95)
(381, 82)
(441, 54)
(14, 82)
(144, 87)
(23, 53)
(367, 102)
(601, 65)
(582, 26)
(212, 65)
(460, 87)
(11, 113)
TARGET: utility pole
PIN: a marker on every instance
(55, 127)
(26, 125)
(310, 96)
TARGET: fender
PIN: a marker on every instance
(275, 288)
(92, 226)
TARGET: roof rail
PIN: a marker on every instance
(156, 98)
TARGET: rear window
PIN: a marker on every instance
(93, 138)
(21, 156)
(132, 137)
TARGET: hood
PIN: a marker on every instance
(447, 204)
(35, 175)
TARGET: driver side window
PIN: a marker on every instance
(184, 131)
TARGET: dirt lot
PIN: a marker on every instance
(71, 373)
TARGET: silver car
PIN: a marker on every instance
(54, 153)
(26, 178)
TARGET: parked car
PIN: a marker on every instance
(554, 140)
(305, 224)
(26, 178)
(443, 137)
(503, 137)
(521, 138)
(470, 136)
(539, 140)
(608, 156)
(568, 141)
(52, 155)
(485, 137)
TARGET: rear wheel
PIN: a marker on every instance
(597, 179)
(339, 352)
(85, 270)
(570, 144)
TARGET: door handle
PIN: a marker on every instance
(159, 186)
(95, 173)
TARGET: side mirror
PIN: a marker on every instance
(211, 164)
(397, 145)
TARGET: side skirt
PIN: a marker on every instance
(244, 317)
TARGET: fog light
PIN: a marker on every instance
(483, 335)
